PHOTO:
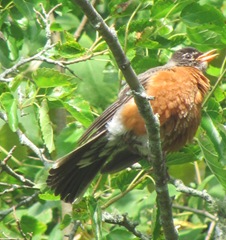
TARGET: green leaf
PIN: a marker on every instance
(199, 15)
(49, 197)
(70, 48)
(32, 225)
(163, 8)
(79, 109)
(25, 8)
(121, 234)
(66, 221)
(46, 126)
(211, 158)
(219, 94)
(93, 88)
(80, 210)
(46, 78)
(56, 93)
(9, 104)
(123, 8)
(176, 158)
(206, 36)
(156, 224)
(96, 216)
(213, 109)
(214, 136)
(68, 138)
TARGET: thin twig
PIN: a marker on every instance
(13, 187)
(74, 229)
(197, 211)
(6, 168)
(180, 187)
(210, 231)
(29, 199)
(122, 220)
(20, 228)
(122, 194)
(45, 18)
(27, 142)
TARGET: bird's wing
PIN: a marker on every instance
(99, 125)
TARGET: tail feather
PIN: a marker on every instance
(71, 175)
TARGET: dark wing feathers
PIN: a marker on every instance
(72, 174)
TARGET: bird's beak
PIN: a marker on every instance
(207, 56)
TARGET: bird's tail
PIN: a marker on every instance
(71, 175)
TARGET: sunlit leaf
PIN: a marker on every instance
(66, 221)
(47, 77)
(195, 15)
(79, 109)
(214, 136)
(163, 8)
(32, 225)
(46, 126)
(49, 197)
(9, 104)
(212, 160)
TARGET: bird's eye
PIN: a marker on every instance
(187, 56)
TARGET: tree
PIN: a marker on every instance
(58, 74)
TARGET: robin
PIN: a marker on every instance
(118, 137)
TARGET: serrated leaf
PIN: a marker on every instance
(206, 36)
(46, 126)
(9, 104)
(214, 136)
(195, 15)
(56, 93)
(70, 48)
(79, 109)
(46, 78)
(175, 158)
(211, 158)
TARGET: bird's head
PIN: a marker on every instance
(191, 57)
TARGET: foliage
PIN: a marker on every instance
(52, 86)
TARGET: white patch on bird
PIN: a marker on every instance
(115, 127)
(141, 145)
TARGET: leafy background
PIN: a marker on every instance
(53, 106)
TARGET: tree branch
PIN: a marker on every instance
(5, 167)
(197, 211)
(29, 199)
(122, 220)
(27, 142)
(180, 187)
(151, 120)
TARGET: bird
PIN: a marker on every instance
(118, 137)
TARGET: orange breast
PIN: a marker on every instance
(178, 94)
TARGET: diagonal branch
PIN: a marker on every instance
(26, 201)
(122, 220)
(151, 121)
